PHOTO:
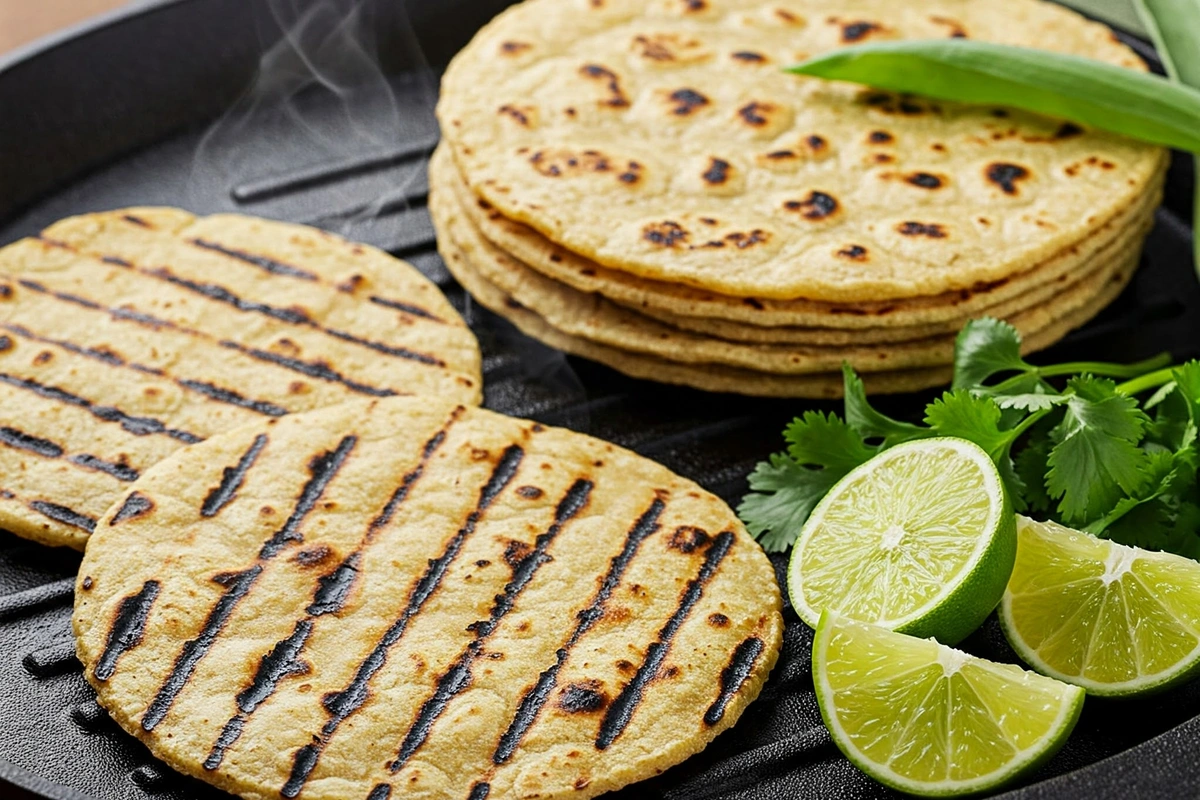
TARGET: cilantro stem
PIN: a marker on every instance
(1151, 380)
(1103, 368)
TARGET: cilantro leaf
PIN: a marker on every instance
(783, 494)
(825, 441)
(1187, 381)
(983, 348)
(977, 419)
(869, 423)
(1096, 461)
(1031, 468)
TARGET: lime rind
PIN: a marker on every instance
(1030, 748)
(1094, 613)
(950, 572)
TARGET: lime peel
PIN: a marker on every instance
(1028, 717)
(1115, 620)
(919, 539)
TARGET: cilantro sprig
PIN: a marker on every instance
(1071, 442)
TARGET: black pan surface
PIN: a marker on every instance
(128, 111)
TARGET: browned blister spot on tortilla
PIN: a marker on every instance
(931, 230)
(718, 620)
(817, 206)
(857, 30)
(564, 163)
(957, 31)
(749, 57)
(670, 49)
(6, 292)
(665, 234)
(583, 697)
(926, 180)
(742, 240)
(718, 171)
(525, 116)
(1006, 176)
(512, 48)
(854, 252)
(6, 344)
(685, 102)
(530, 492)
(880, 137)
(688, 539)
(757, 114)
(611, 82)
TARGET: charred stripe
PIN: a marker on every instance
(262, 262)
(28, 442)
(480, 791)
(619, 714)
(536, 697)
(134, 506)
(237, 585)
(313, 369)
(330, 596)
(113, 360)
(459, 676)
(322, 469)
(407, 308)
(341, 705)
(382, 791)
(291, 316)
(282, 662)
(733, 677)
(138, 426)
(65, 515)
(122, 472)
(232, 398)
(127, 630)
(232, 478)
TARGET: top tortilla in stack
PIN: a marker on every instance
(661, 146)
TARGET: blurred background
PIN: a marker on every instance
(22, 21)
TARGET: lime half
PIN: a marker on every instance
(930, 720)
(920, 539)
(1113, 619)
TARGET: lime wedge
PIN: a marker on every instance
(930, 720)
(920, 539)
(1113, 619)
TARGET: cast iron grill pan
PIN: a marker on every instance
(117, 114)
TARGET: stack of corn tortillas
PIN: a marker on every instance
(640, 183)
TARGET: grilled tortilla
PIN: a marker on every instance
(721, 378)
(126, 335)
(662, 139)
(591, 317)
(409, 598)
(798, 321)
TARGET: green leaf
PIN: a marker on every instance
(977, 419)
(783, 494)
(825, 441)
(1095, 461)
(1125, 101)
(869, 423)
(1033, 401)
(1172, 26)
(983, 348)
(1031, 466)
(1187, 379)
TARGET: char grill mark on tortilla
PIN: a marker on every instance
(232, 478)
(458, 677)
(621, 712)
(536, 697)
(382, 791)
(60, 513)
(262, 262)
(741, 665)
(127, 630)
(138, 426)
(206, 388)
(289, 316)
(342, 704)
(322, 468)
(407, 308)
(135, 506)
(312, 369)
(331, 594)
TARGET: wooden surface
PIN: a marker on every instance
(22, 21)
